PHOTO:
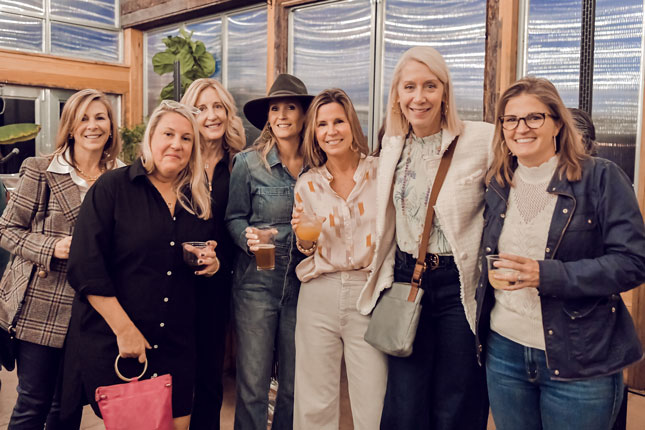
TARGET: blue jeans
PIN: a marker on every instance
(522, 396)
(440, 386)
(39, 385)
(264, 324)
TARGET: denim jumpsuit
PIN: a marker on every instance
(264, 302)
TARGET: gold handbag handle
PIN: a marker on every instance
(123, 378)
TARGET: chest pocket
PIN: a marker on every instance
(581, 222)
(273, 204)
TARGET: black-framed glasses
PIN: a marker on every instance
(171, 104)
(533, 120)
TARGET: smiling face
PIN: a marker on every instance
(92, 132)
(420, 93)
(531, 146)
(286, 118)
(171, 144)
(213, 118)
(333, 131)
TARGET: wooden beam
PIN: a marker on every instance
(636, 374)
(40, 70)
(501, 51)
(133, 58)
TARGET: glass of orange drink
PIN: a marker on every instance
(309, 227)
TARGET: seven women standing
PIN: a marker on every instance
(37, 228)
(264, 302)
(440, 386)
(341, 186)
(222, 136)
(555, 332)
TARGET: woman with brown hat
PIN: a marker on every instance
(264, 302)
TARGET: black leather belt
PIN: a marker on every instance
(435, 261)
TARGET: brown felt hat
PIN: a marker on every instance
(285, 86)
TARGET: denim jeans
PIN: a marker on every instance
(39, 370)
(440, 386)
(264, 324)
(522, 396)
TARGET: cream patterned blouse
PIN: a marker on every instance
(347, 238)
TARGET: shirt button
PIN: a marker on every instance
(155, 346)
(553, 189)
(550, 332)
(548, 250)
(174, 218)
(589, 221)
(169, 273)
(172, 243)
(165, 299)
(565, 211)
(502, 215)
(162, 325)
(557, 372)
(613, 309)
(154, 375)
(488, 249)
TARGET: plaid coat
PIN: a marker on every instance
(42, 209)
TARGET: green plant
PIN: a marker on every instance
(14, 133)
(131, 137)
(195, 62)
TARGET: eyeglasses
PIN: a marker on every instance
(533, 120)
(171, 104)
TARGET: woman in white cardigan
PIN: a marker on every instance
(440, 386)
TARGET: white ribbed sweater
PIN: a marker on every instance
(517, 315)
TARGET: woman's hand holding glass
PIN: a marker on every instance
(521, 272)
(61, 248)
(207, 260)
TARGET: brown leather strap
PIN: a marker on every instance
(420, 266)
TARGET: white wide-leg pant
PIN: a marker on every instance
(328, 326)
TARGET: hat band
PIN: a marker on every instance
(285, 93)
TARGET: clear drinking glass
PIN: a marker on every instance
(309, 227)
(190, 258)
(265, 250)
(498, 283)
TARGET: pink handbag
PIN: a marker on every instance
(137, 405)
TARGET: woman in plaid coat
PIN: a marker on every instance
(36, 228)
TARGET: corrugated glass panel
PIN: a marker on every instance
(91, 43)
(33, 6)
(331, 48)
(21, 32)
(457, 29)
(616, 79)
(247, 59)
(554, 45)
(100, 11)
(208, 32)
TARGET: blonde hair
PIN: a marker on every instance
(397, 123)
(192, 176)
(314, 156)
(568, 142)
(72, 115)
(267, 140)
(234, 138)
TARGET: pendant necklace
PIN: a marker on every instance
(86, 176)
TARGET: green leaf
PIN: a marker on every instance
(167, 92)
(185, 34)
(207, 64)
(14, 133)
(186, 60)
(162, 62)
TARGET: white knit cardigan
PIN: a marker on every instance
(459, 210)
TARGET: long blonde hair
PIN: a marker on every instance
(234, 139)
(396, 122)
(568, 142)
(73, 112)
(314, 156)
(192, 176)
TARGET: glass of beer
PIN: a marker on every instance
(265, 250)
(309, 227)
(189, 257)
(492, 270)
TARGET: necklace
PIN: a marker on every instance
(88, 177)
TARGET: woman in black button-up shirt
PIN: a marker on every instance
(136, 296)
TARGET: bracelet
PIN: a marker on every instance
(307, 251)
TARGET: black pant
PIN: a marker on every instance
(440, 386)
(213, 312)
